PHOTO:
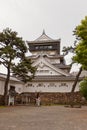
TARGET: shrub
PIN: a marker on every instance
(83, 88)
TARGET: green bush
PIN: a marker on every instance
(83, 88)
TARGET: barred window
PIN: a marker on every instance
(40, 85)
(29, 85)
(63, 85)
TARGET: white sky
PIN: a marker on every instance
(30, 17)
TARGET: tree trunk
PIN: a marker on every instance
(76, 80)
(6, 88)
(74, 85)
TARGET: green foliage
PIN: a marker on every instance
(13, 47)
(24, 70)
(68, 49)
(81, 49)
(83, 88)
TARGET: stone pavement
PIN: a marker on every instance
(43, 118)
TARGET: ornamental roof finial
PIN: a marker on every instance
(43, 31)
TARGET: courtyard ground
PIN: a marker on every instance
(43, 118)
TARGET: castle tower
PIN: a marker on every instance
(52, 76)
(45, 44)
(49, 49)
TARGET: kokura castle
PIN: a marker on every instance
(52, 78)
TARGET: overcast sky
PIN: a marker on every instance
(30, 17)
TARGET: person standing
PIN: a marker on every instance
(38, 100)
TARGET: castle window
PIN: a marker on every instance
(52, 85)
(50, 47)
(63, 85)
(29, 85)
(36, 47)
(40, 85)
(43, 47)
(51, 72)
(19, 89)
(43, 71)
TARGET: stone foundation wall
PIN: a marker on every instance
(61, 98)
(50, 98)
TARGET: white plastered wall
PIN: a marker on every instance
(49, 87)
(18, 86)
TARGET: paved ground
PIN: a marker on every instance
(43, 118)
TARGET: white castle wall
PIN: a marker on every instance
(18, 86)
(56, 61)
(49, 87)
(45, 71)
(1, 87)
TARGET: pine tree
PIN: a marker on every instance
(12, 47)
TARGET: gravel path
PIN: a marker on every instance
(43, 118)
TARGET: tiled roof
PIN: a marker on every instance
(43, 38)
(46, 55)
(61, 66)
(55, 78)
(3, 76)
